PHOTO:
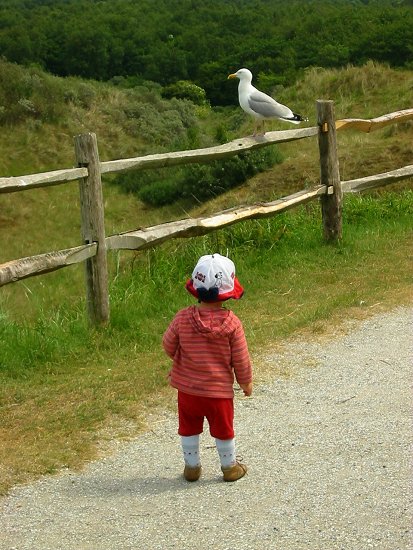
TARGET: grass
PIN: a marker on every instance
(63, 385)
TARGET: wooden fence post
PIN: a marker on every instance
(93, 227)
(331, 202)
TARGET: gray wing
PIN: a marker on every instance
(266, 106)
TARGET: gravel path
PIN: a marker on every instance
(328, 455)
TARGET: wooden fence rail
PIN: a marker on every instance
(46, 179)
(57, 177)
(16, 270)
(94, 252)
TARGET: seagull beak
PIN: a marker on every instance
(232, 76)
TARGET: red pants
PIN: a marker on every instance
(192, 409)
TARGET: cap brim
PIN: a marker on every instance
(236, 293)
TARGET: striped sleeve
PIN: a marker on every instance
(240, 358)
(170, 340)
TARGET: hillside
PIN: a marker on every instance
(39, 134)
(357, 92)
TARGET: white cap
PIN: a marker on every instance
(215, 274)
(214, 270)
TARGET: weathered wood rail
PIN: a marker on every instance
(89, 171)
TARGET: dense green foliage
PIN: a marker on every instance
(198, 182)
(201, 42)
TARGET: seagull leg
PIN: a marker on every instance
(258, 128)
(261, 125)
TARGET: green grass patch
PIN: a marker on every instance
(63, 382)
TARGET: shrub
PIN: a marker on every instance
(29, 93)
(198, 182)
(161, 122)
(207, 181)
(160, 192)
(183, 89)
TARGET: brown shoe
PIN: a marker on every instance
(192, 473)
(232, 473)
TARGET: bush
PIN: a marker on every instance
(198, 182)
(183, 89)
(29, 93)
(160, 192)
(160, 121)
(205, 182)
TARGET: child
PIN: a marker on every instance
(208, 346)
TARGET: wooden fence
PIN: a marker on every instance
(94, 250)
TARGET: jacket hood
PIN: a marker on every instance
(213, 323)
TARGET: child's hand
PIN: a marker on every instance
(247, 389)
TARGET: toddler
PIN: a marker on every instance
(208, 347)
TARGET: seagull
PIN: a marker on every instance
(261, 106)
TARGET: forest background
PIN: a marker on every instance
(129, 42)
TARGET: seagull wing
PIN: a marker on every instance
(266, 106)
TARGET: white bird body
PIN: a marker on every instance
(261, 106)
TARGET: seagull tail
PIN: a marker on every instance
(295, 119)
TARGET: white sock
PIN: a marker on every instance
(190, 448)
(226, 451)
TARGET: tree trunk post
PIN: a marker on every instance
(93, 228)
(331, 202)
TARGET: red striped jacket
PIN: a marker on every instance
(208, 348)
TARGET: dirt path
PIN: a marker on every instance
(328, 456)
